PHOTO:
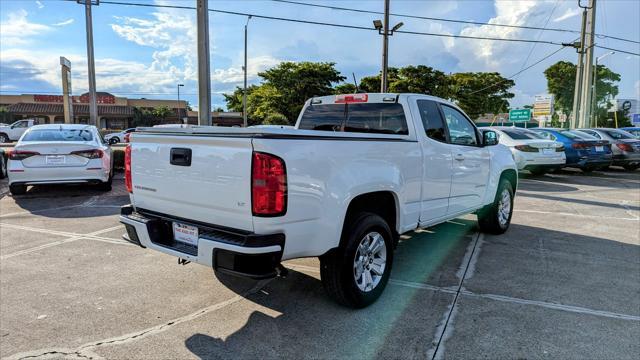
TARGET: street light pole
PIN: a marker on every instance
(594, 117)
(383, 29)
(244, 91)
(204, 69)
(93, 104)
(179, 118)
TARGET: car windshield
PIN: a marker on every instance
(619, 134)
(577, 135)
(58, 135)
(521, 134)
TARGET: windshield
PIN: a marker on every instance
(363, 118)
(58, 135)
(577, 135)
(619, 134)
(521, 134)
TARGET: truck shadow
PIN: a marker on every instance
(295, 319)
(300, 321)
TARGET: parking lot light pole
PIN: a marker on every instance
(594, 102)
(93, 104)
(244, 68)
(179, 118)
(383, 29)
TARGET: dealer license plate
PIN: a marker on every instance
(185, 233)
(548, 151)
(599, 148)
(55, 159)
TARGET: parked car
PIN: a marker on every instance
(635, 131)
(13, 132)
(530, 150)
(117, 137)
(60, 154)
(271, 127)
(582, 150)
(356, 172)
(625, 147)
(3, 164)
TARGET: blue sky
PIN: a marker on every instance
(145, 52)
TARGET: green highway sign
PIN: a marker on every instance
(520, 115)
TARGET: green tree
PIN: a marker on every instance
(346, 88)
(420, 79)
(275, 119)
(561, 80)
(481, 92)
(161, 112)
(142, 117)
(5, 115)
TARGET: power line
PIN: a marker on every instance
(357, 27)
(533, 46)
(449, 20)
(519, 72)
(617, 50)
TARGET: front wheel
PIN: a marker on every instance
(4, 138)
(114, 140)
(496, 218)
(356, 273)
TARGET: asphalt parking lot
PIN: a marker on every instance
(563, 282)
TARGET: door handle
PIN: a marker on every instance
(459, 157)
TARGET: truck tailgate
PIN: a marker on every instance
(213, 188)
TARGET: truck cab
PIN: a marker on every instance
(14, 131)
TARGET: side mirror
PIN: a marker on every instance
(489, 138)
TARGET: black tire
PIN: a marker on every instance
(4, 138)
(587, 169)
(538, 172)
(629, 167)
(114, 140)
(337, 267)
(3, 167)
(489, 217)
(107, 185)
(17, 189)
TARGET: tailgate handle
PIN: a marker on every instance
(181, 157)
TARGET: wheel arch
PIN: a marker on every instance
(383, 203)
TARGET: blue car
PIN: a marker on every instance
(635, 131)
(583, 151)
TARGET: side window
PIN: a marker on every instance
(432, 121)
(546, 135)
(20, 124)
(593, 133)
(461, 131)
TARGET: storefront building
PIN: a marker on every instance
(114, 112)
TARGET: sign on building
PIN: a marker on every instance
(635, 119)
(520, 115)
(543, 105)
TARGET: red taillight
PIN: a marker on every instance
(625, 147)
(268, 185)
(351, 98)
(580, 146)
(21, 154)
(126, 137)
(89, 154)
(127, 168)
(526, 148)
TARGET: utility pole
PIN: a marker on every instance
(383, 29)
(179, 113)
(93, 104)
(385, 48)
(578, 88)
(587, 74)
(244, 91)
(594, 97)
(204, 76)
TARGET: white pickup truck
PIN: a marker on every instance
(14, 131)
(355, 173)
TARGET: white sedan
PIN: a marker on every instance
(60, 154)
(531, 151)
(115, 138)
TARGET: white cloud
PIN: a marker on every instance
(64, 23)
(568, 14)
(40, 5)
(17, 29)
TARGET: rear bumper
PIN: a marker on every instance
(626, 158)
(61, 175)
(227, 250)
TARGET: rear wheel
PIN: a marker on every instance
(17, 189)
(538, 171)
(3, 167)
(587, 169)
(114, 140)
(356, 273)
(106, 186)
(4, 138)
(496, 218)
(630, 167)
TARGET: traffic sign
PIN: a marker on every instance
(635, 119)
(520, 115)
(626, 105)
(543, 105)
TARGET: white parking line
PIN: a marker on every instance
(71, 237)
(577, 215)
(56, 208)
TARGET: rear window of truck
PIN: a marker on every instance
(373, 118)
